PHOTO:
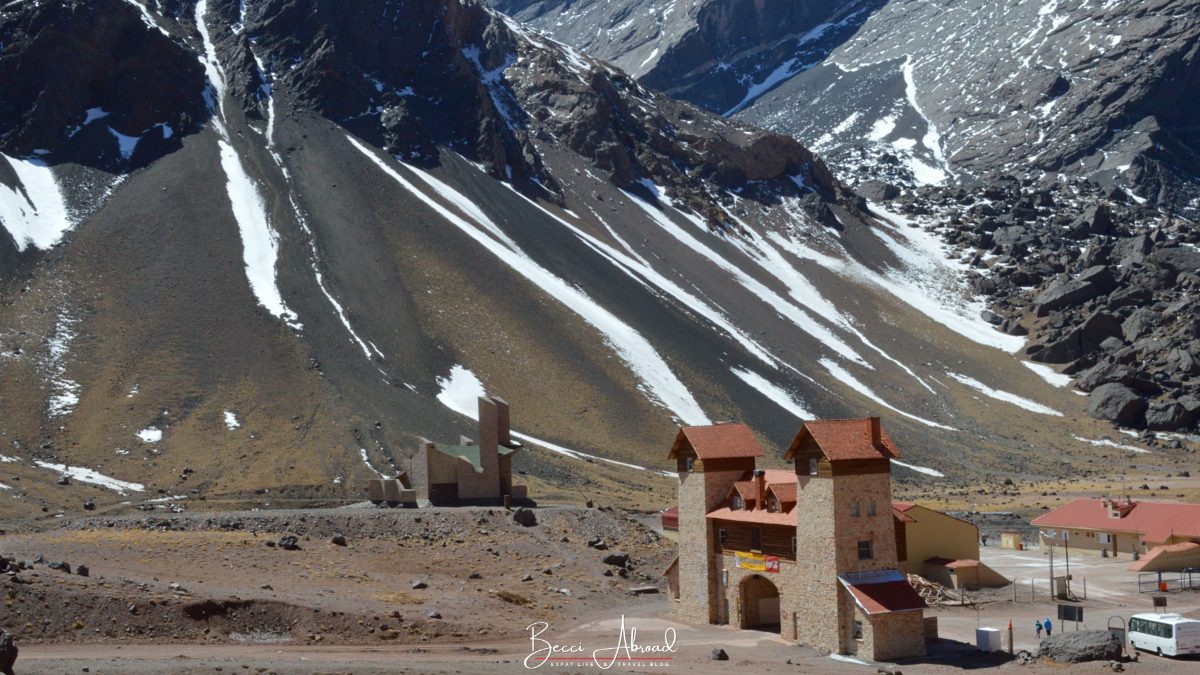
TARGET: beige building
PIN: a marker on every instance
(1120, 527)
(809, 551)
(473, 473)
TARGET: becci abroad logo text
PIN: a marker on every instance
(627, 651)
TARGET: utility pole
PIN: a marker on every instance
(1050, 540)
(1067, 553)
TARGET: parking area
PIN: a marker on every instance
(1104, 588)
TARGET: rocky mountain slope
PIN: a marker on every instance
(252, 251)
(931, 90)
(1010, 107)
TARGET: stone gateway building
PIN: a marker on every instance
(809, 551)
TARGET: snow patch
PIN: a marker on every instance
(776, 394)
(919, 469)
(857, 386)
(1005, 396)
(1104, 442)
(85, 475)
(362, 452)
(1053, 378)
(150, 435)
(36, 216)
(231, 421)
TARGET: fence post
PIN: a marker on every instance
(1032, 594)
(1085, 588)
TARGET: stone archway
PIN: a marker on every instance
(760, 603)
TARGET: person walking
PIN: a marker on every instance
(1049, 627)
(1037, 626)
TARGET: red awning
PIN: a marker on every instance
(889, 596)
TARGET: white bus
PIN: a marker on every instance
(1164, 634)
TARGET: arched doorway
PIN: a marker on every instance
(760, 604)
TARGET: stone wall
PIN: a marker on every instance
(894, 635)
(879, 528)
(816, 588)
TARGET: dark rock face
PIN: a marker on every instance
(1079, 647)
(1117, 403)
(75, 75)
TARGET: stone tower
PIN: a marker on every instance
(846, 543)
(708, 460)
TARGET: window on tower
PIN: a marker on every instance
(856, 508)
(866, 550)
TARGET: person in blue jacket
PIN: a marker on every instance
(1049, 628)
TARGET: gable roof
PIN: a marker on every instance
(1155, 521)
(784, 492)
(901, 517)
(717, 441)
(842, 440)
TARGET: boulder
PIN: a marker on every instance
(1132, 250)
(1177, 259)
(616, 559)
(877, 190)
(1092, 283)
(1117, 403)
(718, 655)
(289, 543)
(524, 517)
(8, 653)
(1098, 328)
(1138, 325)
(1168, 416)
(1082, 646)
(338, 539)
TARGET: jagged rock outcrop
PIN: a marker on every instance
(102, 91)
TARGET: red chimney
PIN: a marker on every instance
(876, 431)
(760, 487)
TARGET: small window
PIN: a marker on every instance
(691, 463)
(858, 630)
(871, 508)
(812, 467)
(866, 550)
(721, 536)
(772, 503)
(756, 538)
(793, 546)
(737, 503)
(856, 508)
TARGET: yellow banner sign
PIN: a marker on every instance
(750, 561)
(757, 562)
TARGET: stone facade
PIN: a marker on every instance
(843, 526)
(893, 635)
(700, 490)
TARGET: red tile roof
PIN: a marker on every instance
(843, 440)
(1172, 551)
(778, 476)
(962, 564)
(902, 517)
(902, 507)
(889, 596)
(748, 490)
(756, 516)
(1155, 521)
(784, 492)
(717, 441)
